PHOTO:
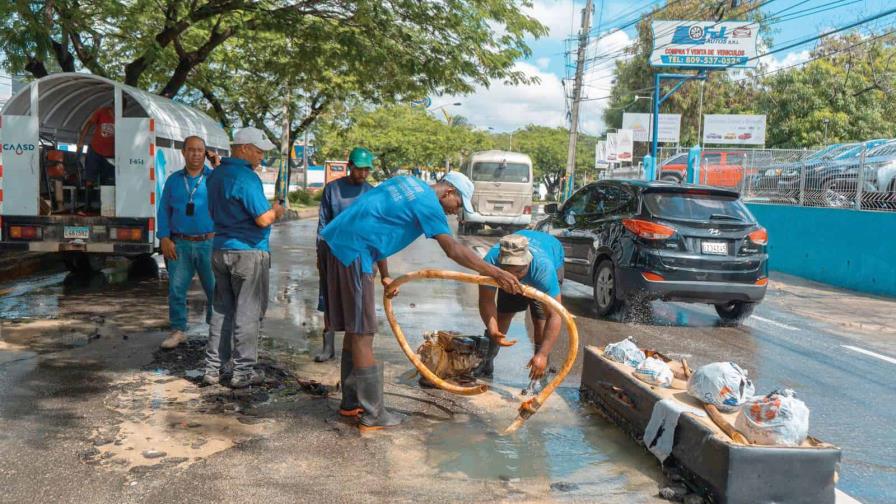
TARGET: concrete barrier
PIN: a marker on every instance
(847, 248)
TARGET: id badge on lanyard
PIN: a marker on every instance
(191, 207)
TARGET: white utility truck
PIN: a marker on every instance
(46, 204)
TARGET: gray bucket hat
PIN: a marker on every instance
(514, 251)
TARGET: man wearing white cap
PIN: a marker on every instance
(241, 259)
(380, 223)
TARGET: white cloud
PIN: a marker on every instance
(793, 58)
(543, 63)
(557, 15)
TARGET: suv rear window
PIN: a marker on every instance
(696, 207)
(500, 172)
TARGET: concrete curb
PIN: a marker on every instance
(300, 213)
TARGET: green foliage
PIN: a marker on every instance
(548, 148)
(302, 197)
(273, 62)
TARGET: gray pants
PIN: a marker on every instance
(241, 298)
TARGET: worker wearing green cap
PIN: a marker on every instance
(339, 195)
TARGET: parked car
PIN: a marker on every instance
(879, 182)
(820, 172)
(633, 240)
(717, 168)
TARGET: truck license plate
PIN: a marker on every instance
(714, 247)
(76, 232)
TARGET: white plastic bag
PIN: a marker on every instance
(625, 351)
(776, 419)
(723, 384)
(654, 372)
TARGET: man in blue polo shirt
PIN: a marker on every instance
(241, 259)
(185, 237)
(380, 223)
(535, 258)
(339, 195)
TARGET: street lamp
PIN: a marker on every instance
(448, 120)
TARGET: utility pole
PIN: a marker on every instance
(577, 97)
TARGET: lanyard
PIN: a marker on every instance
(190, 193)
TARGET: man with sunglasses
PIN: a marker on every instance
(380, 223)
(241, 259)
(185, 236)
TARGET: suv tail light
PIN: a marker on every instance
(759, 237)
(648, 230)
(527, 210)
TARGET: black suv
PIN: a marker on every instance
(634, 240)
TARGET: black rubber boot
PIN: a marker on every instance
(349, 406)
(328, 351)
(370, 395)
(486, 368)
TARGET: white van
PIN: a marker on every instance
(503, 190)
(45, 204)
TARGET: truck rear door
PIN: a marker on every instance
(19, 166)
(135, 186)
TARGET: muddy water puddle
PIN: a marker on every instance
(566, 443)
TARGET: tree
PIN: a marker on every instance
(548, 149)
(244, 57)
(401, 137)
(851, 86)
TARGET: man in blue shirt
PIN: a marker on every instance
(338, 195)
(535, 258)
(380, 223)
(241, 259)
(185, 237)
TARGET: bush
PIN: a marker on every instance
(300, 197)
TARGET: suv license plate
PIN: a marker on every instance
(714, 247)
(77, 232)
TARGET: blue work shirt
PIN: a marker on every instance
(338, 195)
(385, 220)
(172, 216)
(547, 259)
(236, 199)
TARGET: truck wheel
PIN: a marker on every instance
(81, 262)
(734, 313)
(143, 265)
(605, 288)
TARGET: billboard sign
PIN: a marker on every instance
(611, 147)
(625, 145)
(600, 154)
(670, 126)
(734, 129)
(704, 44)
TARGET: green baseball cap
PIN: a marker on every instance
(361, 158)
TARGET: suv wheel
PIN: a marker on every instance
(671, 178)
(735, 312)
(605, 288)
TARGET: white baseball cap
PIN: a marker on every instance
(252, 136)
(464, 186)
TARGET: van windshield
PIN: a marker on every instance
(697, 207)
(500, 172)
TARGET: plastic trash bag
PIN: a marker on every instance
(654, 372)
(723, 384)
(625, 351)
(776, 419)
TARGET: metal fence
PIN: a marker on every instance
(857, 176)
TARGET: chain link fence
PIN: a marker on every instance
(857, 176)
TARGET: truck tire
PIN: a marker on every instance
(604, 289)
(143, 265)
(734, 313)
(82, 262)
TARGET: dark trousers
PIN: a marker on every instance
(242, 279)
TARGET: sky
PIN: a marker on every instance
(506, 108)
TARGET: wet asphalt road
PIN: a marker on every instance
(797, 339)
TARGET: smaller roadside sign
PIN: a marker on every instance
(625, 145)
(642, 128)
(600, 154)
(734, 129)
(611, 147)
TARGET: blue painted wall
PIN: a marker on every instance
(847, 248)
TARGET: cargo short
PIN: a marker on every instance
(349, 303)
